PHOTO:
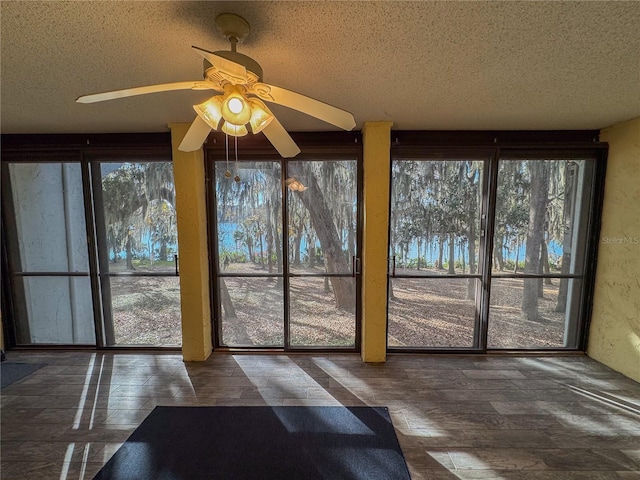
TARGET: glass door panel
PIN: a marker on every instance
(50, 218)
(286, 282)
(447, 312)
(139, 217)
(322, 216)
(249, 271)
(48, 260)
(138, 246)
(146, 310)
(252, 311)
(539, 250)
(315, 318)
(435, 249)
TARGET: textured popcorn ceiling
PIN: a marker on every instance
(422, 65)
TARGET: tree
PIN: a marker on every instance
(535, 236)
(472, 192)
(566, 230)
(138, 201)
(322, 220)
(123, 195)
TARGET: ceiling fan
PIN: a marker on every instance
(238, 79)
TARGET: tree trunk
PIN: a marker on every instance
(269, 238)
(440, 251)
(312, 253)
(163, 251)
(471, 284)
(322, 221)
(297, 243)
(351, 236)
(540, 270)
(129, 253)
(515, 267)
(249, 244)
(405, 259)
(535, 237)
(391, 294)
(567, 221)
(261, 251)
(544, 262)
(498, 258)
(452, 254)
(225, 300)
(471, 236)
(276, 240)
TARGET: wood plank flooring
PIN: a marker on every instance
(456, 417)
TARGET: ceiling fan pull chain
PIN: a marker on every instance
(235, 140)
(227, 174)
(237, 177)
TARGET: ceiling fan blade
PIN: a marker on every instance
(196, 135)
(130, 92)
(232, 71)
(281, 139)
(310, 106)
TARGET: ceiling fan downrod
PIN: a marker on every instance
(233, 27)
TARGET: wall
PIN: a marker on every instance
(615, 327)
(191, 213)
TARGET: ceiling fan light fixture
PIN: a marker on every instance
(235, 108)
(261, 117)
(235, 105)
(210, 111)
(295, 185)
(234, 130)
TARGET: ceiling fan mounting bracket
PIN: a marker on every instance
(233, 27)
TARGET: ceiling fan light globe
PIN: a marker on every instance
(295, 185)
(234, 130)
(210, 112)
(235, 105)
(261, 117)
(236, 110)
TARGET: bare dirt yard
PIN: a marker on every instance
(425, 313)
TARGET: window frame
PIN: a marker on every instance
(574, 143)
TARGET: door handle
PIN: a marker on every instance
(355, 266)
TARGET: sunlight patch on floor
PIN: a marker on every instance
(85, 391)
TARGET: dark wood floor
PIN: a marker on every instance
(456, 417)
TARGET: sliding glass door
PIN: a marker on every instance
(286, 248)
(436, 245)
(249, 270)
(539, 257)
(91, 247)
(48, 257)
(138, 252)
(489, 251)
(323, 260)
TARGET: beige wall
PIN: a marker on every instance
(191, 213)
(376, 142)
(614, 337)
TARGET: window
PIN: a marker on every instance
(491, 248)
(91, 244)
